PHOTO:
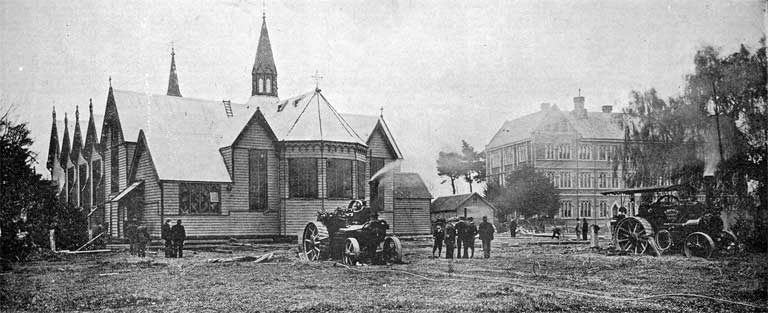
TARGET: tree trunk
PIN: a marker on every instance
(453, 185)
(470, 186)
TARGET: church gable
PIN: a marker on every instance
(380, 144)
(256, 134)
(111, 132)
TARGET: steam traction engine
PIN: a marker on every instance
(352, 234)
(669, 223)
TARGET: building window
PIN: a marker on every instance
(114, 165)
(361, 181)
(302, 177)
(338, 173)
(261, 85)
(197, 198)
(257, 180)
(602, 180)
(603, 152)
(71, 188)
(566, 208)
(269, 85)
(97, 176)
(509, 155)
(565, 180)
(603, 208)
(552, 178)
(85, 186)
(564, 152)
(585, 180)
(549, 151)
(585, 152)
(585, 208)
(614, 180)
(376, 165)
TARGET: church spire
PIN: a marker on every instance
(53, 146)
(77, 139)
(264, 74)
(173, 80)
(64, 156)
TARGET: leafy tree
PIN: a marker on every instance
(525, 191)
(449, 164)
(28, 204)
(474, 164)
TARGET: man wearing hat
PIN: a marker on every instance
(165, 234)
(178, 234)
(486, 235)
(469, 238)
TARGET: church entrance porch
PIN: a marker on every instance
(130, 205)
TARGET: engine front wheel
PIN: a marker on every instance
(698, 244)
(351, 252)
(393, 250)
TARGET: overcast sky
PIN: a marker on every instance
(443, 71)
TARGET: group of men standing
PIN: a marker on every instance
(174, 239)
(138, 238)
(462, 233)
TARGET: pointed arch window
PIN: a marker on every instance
(269, 85)
(261, 85)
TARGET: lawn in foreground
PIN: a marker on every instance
(518, 278)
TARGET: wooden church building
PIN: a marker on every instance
(258, 169)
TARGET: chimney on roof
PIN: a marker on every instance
(545, 106)
(607, 108)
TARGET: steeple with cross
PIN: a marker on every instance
(317, 77)
(264, 74)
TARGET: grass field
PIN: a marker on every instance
(518, 278)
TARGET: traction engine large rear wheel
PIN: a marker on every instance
(633, 235)
(312, 239)
(698, 244)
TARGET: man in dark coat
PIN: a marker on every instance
(450, 240)
(165, 234)
(142, 239)
(486, 235)
(178, 234)
(584, 228)
(512, 228)
(438, 235)
(130, 233)
(461, 228)
(469, 238)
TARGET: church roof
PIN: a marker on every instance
(365, 125)
(310, 117)
(65, 144)
(53, 144)
(183, 134)
(173, 79)
(77, 139)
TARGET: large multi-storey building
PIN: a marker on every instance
(574, 149)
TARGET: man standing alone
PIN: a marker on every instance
(486, 235)
(178, 234)
(512, 228)
(165, 234)
(584, 228)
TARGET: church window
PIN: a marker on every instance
(339, 178)
(71, 186)
(376, 165)
(269, 85)
(85, 186)
(114, 170)
(261, 85)
(199, 198)
(98, 182)
(302, 177)
(257, 180)
(361, 181)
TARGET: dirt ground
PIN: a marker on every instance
(521, 276)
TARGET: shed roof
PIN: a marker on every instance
(410, 186)
(454, 202)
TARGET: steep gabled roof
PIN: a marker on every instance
(91, 138)
(173, 79)
(64, 157)
(455, 202)
(264, 63)
(410, 186)
(367, 125)
(599, 125)
(77, 139)
(310, 117)
(517, 129)
(53, 144)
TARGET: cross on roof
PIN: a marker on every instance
(317, 77)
